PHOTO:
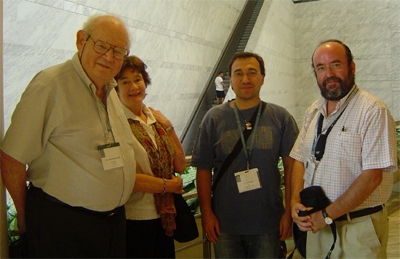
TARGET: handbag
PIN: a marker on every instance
(186, 227)
(312, 196)
(19, 248)
(282, 250)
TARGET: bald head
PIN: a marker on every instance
(100, 38)
(98, 21)
(349, 55)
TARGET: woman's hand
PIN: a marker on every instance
(160, 118)
(174, 185)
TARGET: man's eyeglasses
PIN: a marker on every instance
(333, 67)
(102, 47)
(249, 74)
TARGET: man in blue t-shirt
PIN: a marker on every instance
(244, 216)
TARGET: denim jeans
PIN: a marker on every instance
(247, 246)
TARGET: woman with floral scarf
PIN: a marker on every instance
(150, 216)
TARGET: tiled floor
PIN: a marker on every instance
(393, 248)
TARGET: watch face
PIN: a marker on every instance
(328, 220)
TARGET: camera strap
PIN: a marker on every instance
(320, 141)
(319, 144)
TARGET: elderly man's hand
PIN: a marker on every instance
(304, 222)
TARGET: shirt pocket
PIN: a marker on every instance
(349, 148)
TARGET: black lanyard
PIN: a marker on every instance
(319, 144)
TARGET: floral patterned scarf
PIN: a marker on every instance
(161, 163)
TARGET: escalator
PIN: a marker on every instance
(237, 43)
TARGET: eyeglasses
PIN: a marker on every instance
(249, 74)
(102, 47)
(333, 67)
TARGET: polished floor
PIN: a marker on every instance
(393, 248)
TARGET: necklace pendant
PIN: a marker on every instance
(248, 126)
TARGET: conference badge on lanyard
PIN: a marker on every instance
(111, 156)
(248, 180)
(310, 170)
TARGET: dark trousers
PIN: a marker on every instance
(57, 230)
(147, 239)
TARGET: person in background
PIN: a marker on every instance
(150, 217)
(347, 145)
(219, 87)
(68, 140)
(244, 215)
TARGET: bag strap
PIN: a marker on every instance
(333, 228)
(237, 148)
(328, 256)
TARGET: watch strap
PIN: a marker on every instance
(333, 228)
(324, 214)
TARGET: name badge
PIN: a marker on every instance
(310, 170)
(248, 180)
(111, 156)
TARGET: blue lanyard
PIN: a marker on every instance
(247, 152)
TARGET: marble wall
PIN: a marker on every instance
(370, 28)
(274, 39)
(286, 35)
(180, 41)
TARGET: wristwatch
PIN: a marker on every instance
(328, 220)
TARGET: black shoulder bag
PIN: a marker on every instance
(186, 227)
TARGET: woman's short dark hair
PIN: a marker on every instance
(136, 64)
(240, 55)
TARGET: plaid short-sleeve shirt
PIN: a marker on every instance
(363, 138)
